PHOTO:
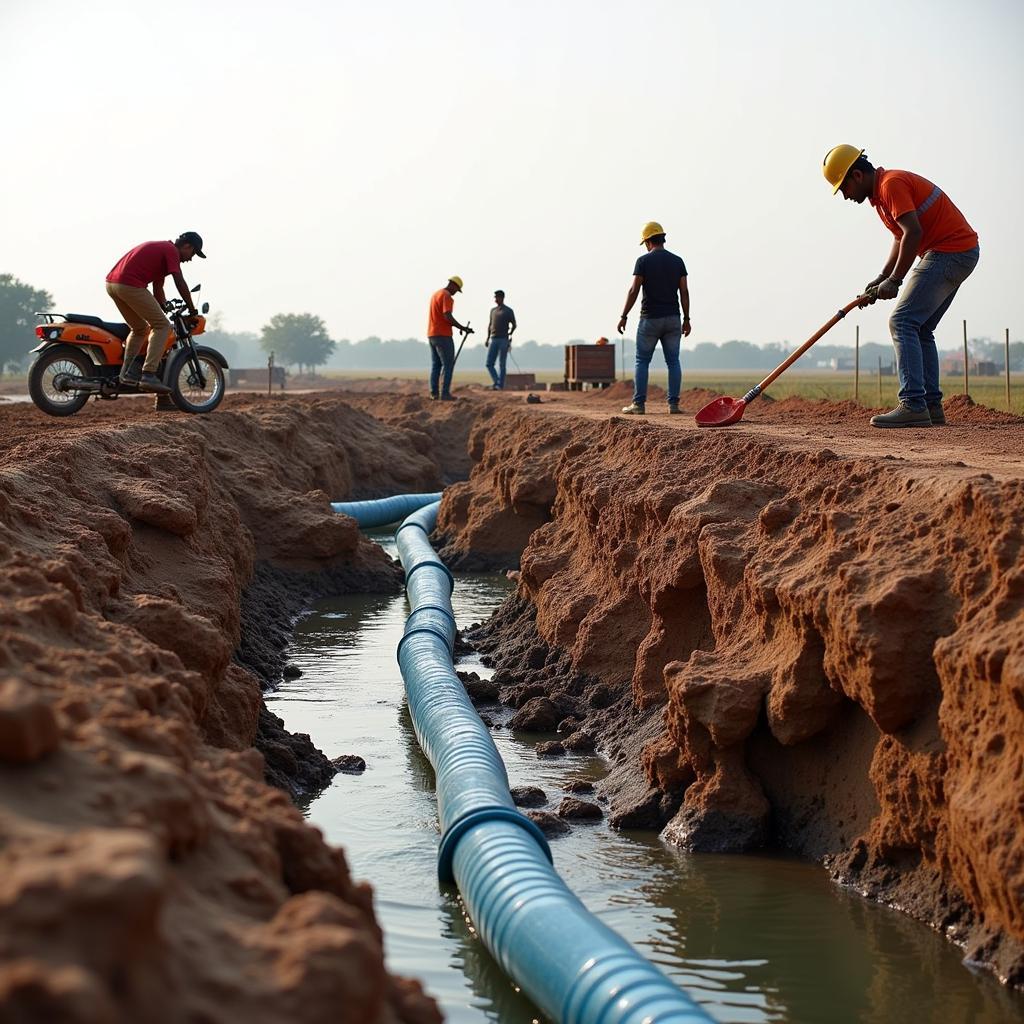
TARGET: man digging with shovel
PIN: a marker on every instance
(924, 222)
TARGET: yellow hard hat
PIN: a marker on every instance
(838, 161)
(457, 281)
(651, 228)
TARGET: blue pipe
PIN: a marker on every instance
(576, 969)
(382, 511)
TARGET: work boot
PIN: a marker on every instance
(634, 409)
(902, 416)
(130, 375)
(937, 415)
(447, 398)
(674, 410)
(433, 397)
(152, 383)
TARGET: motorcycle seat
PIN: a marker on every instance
(118, 330)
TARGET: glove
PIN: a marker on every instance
(871, 291)
(887, 289)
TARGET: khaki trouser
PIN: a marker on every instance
(142, 313)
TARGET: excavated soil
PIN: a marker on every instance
(147, 869)
(799, 631)
(776, 638)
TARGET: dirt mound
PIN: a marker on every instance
(147, 872)
(837, 644)
(963, 409)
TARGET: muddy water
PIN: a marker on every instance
(754, 939)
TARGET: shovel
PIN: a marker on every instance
(724, 411)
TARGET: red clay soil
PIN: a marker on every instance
(147, 871)
(830, 638)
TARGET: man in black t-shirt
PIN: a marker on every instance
(662, 276)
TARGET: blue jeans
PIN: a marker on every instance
(442, 354)
(929, 293)
(669, 331)
(497, 350)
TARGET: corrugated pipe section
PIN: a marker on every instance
(370, 514)
(576, 969)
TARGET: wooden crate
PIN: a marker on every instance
(589, 364)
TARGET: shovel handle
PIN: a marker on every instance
(790, 360)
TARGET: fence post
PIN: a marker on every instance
(270, 373)
(879, 382)
(966, 387)
(1006, 358)
(856, 367)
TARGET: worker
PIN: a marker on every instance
(925, 223)
(499, 339)
(128, 285)
(439, 335)
(662, 276)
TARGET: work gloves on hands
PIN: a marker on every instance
(880, 288)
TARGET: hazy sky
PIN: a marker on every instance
(344, 158)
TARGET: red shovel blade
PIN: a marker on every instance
(721, 412)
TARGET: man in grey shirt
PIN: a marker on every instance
(499, 339)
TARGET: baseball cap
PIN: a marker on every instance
(195, 240)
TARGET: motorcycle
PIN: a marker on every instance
(80, 356)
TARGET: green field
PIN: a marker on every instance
(990, 391)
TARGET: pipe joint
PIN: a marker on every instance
(434, 564)
(457, 829)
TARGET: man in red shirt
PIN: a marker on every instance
(127, 284)
(440, 322)
(924, 222)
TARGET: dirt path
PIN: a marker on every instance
(976, 438)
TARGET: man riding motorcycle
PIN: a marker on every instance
(127, 284)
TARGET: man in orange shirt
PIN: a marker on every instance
(924, 222)
(439, 334)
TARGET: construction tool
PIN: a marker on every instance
(465, 334)
(724, 411)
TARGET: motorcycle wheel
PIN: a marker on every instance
(186, 392)
(45, 373)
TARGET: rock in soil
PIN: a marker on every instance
(580, 786)
(580, 743)
(350, 764)
(552, 748)
(528, 796)
(28, 725)
(481, 691)
(539, 714)
(551, 826)
(579, 810)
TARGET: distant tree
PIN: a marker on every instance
(18, 301)
(297, 338)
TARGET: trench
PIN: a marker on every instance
(752, 939)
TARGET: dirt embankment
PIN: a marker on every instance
(147, 871)
(824, 652)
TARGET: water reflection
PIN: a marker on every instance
(755, 939)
